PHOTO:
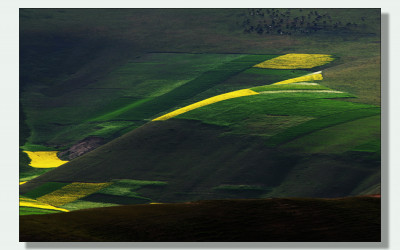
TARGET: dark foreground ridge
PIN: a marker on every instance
(353, 219)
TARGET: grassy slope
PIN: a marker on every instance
(98, 108)
(93, 49)
(339, 138)
(231, 159)
(235, 113)
(349, 219)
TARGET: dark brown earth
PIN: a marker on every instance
(353, 219)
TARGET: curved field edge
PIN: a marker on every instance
(28, 202)
(123, 90)
(345, 219)
(192, 88)
(246, 92)
(230, 112)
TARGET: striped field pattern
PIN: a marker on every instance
(71, 192)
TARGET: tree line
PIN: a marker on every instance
(292, 21)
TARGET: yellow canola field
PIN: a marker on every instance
(27, 202)
(214, 99)
(310, 77)
(44, 159)
(296, 61)
(71, 192)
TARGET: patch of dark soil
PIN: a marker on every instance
(82, 147)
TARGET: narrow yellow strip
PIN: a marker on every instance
(211, 100)
(317, 76)
(44, 159)
(27, 202)
(22, 182)
(71, 192)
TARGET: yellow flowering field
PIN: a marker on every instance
(22, 182)
(71, 192)
(296, 61)
(317, 76)
(214, 99)
(44, 159)
(27, 202)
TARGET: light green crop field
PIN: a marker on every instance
(339, 138)
(81, 204)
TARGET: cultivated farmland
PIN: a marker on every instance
(156, 109)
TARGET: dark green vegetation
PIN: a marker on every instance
(85, 78)
(125, 192)
(201, 157)
(45, 189)
(349, 219)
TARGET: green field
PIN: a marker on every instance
(33, 210)
(352, 135)
(298, 113)
(45, 189)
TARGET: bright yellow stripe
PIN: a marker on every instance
(44, 159)
(214, 99)
(296, 61)
(71, 192)
(26, 202)
(310, 77)
(22, 182)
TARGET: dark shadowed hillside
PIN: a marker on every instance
(319, 220)
(196, 159)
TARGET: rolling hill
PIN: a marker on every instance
(150, 106)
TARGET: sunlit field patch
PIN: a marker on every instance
(214, 99)
(316, 76)
(71, 192)
(27, 202)
(296, 61)
(22, 182)
(44, 159)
